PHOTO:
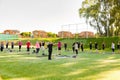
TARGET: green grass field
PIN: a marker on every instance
(87, 66)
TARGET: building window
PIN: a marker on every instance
(7, 33)
(36, 33)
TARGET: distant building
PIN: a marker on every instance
(11, 32)
(39, 33)
(85, 34)
(65, 34)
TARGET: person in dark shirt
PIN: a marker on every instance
(96, 47)
(65, 46)
(103, 45)
(82, 48)
(118, 45)
(1, 46)
(73, 47)
(50, 46)
(7, 44)
(79, 44)
(12, 45)
(90, 45)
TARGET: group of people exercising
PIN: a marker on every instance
(41, 46)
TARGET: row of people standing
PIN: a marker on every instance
(75, 46)
(7, 46)
(103, 46)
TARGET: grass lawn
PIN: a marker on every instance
(87, 66)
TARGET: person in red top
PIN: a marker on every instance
(28, 46)
(59, 45)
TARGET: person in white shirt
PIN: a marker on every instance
(76, 48)
(113, 47)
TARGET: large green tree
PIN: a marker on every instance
(103, 15)
(25, 34)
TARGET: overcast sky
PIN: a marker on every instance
(48, 15)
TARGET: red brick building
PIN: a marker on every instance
(39, 33)
(12, 32)
(85, 34)
(65, 34)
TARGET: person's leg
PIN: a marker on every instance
(112, 51)
(37, 51)
(19, 48)
(1, 49)
(77, 52)
(28, 50)
(49, 55)
(60, 51)
(12, 46)
(43, 53)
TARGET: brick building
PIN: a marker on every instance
(85, 34)
(39, 33)
(11, 32)
(65, 34)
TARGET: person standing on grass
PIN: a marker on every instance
(118, 45)
(7, 44)
(28, 46)
(50, 47)
(113, 47)
(12, 45)
(20, 45)
(37, 45)
(103, 46)
(79, 44)
(43, 48)
(96, 47)
(1, 46)
(82, 47)
(73, 47)
(76, 48)
(59, 47)
(90, 45)
(65, 46)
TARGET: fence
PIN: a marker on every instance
(8, 37)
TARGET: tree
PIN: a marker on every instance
(103, 15)
(26, 34)
(50, 34)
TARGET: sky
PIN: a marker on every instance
(48, 15)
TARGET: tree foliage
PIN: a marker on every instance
(52, 35)
(103, 15)
(26, 34)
